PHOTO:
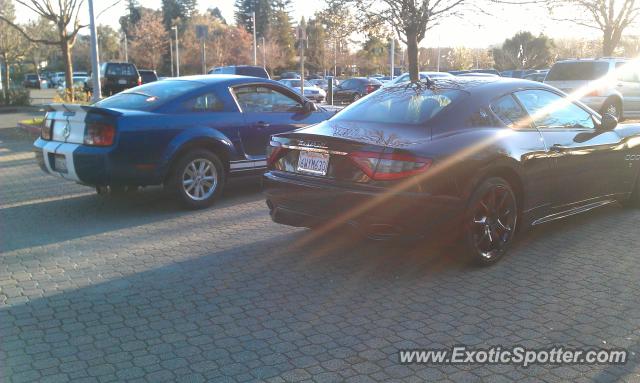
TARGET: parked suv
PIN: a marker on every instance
(242, 70)
(116, 77)
(32, 80)
(619, 94)
(148, 75)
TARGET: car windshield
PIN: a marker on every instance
(296, 83)
(149, 96)
(577, 71)
(400, 105)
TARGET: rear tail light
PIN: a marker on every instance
(275, 151)
(45, 129)
(388, 167)
(370, 88)
(99, 134)
(139, 80)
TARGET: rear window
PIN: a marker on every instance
(32, 77)
(121, 70)
(250, 71)
(400, 105)
(148, 76)
(149, 96)
(577, 71)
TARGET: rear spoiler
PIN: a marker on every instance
(73, 108)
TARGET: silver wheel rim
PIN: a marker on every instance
(199, 179)
(613, 110)
(494, 222)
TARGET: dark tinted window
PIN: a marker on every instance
(204, 103)
(148, 76)
(149, 96)
(549, 110)
(577, 71)
(251, 71)
(509, 111)
(121, 70)
(32, 77)
(400, 106)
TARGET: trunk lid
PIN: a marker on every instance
(68, 121)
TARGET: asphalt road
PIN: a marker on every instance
(95, 289)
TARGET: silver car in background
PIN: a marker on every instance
(613, 83)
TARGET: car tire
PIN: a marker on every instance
(356, 97)
(612, 106)
(490, 221)
(196, 179)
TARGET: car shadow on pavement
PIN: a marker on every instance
(272, 308)
(67, 218)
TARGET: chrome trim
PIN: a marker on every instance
(574, 211)
(312, 149)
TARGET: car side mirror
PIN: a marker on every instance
(309, 107)
(608, 122)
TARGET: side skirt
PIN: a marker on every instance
(574, 211)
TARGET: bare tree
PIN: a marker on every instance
(12, 45)
(411, 19)
(611, 17)
(64, 15)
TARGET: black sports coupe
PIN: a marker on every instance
(484, 155)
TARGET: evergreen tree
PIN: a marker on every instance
(316, 39)
(177, 9)
(264, 16)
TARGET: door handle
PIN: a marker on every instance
(262, 124)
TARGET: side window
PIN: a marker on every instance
(208, 102)
(347, 84)
(549, 110)
(263, 99)
(510, 112)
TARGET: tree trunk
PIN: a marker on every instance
(412, 53)
(68, 67)
(608, 44)
(5, 74)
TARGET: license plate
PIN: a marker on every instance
(313, 163)
(60, 163)
(122, 82)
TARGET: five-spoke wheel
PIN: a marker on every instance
(196, 178)
(492, 216)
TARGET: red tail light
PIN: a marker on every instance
(274, 152)
(139, 81)
(46, 130)
(369, 88)
(387, 167)
(99, 134)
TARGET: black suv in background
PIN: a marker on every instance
(32, 80)
(242, 70)
(355, 88)
(116, 77)
(148, 75)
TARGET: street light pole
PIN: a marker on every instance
(175, 28)
(393, 56)
(171, 53)
(95, 64)
(126, 49)
(255, 42)
(264, 54)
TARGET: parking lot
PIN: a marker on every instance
(113, 289)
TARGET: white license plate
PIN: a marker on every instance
(60, 163)
(122, 82)
(313, 163)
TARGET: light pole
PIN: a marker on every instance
(175, 28)
(126, 49)
(264, 54)
(95, 65)
(171, 55)
(255, 42)
(393, 56)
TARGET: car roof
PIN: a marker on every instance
(231, 79)
(593, 59)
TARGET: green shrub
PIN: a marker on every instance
(15, 97)
(79, 96)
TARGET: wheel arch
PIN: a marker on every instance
(222, 148)
(507, 170)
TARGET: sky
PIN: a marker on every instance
(475, 29)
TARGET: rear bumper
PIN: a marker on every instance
(91, 165)
(373, 212)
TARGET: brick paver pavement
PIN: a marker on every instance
(136, 289)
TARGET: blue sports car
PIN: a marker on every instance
(188, 134)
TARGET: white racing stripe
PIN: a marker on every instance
(67, 150)
(247, 165)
